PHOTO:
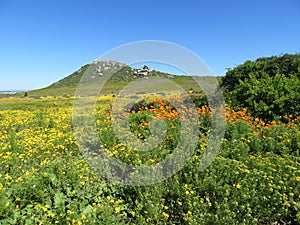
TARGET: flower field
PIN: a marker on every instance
(44, 178)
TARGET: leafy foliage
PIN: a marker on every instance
(268, 87)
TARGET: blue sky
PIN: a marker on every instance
(42, 41)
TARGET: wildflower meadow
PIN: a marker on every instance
(45, 179)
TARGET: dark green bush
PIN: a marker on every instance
(268, 87)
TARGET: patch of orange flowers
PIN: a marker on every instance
(163, 109)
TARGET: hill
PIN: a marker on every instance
(122, 77)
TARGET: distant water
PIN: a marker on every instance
(10, 91)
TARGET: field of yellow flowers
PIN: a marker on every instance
(44, 178)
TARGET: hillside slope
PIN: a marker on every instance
(68, 85)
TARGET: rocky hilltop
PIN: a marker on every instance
(98, 70)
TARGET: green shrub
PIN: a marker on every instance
(268, 87)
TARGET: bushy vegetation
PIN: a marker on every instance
(44, 179)
(255, 179)
(268, 87)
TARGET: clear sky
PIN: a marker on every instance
(42, 41)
